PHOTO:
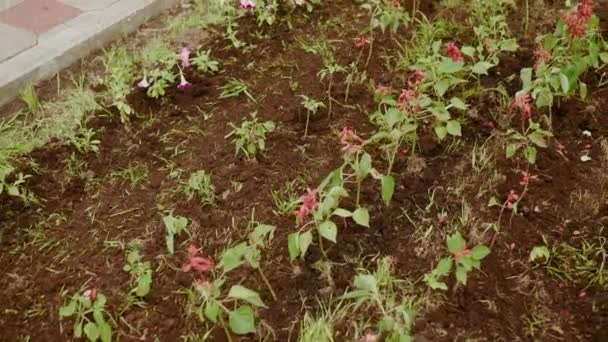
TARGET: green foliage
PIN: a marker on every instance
(204, 63)
(463, 258)
(199, 184)
(235, 87)
(386, 15)
(381, 292)
(286, 200)
(83, 307)
(30, 97)
(140, 271)
(158, 62)
(527, 142)
(250, 137)
(119, 75)
(174, 225)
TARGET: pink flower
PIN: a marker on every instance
(361, 42)
(184, 56)
(526, 177)
(405, 99)
(91, 294)
(464, 252)
(577, 20)
(384, 91)
(350, 141)
(247, 4)
(309, 204)
(416, 78)
(523, 102)
(197, 263)
(452, 50)
(512, 198)
(143, 83)
(183, 84)
(541, 57)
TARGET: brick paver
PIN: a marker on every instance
(38, 16)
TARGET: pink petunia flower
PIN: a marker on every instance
(247, 4)
(143, 83)
(350, 141)
(452, 50)
(183, 84)
(184, 57)
(197, 263)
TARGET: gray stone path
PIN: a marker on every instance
(38, 38)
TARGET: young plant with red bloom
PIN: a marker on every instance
(183, 84)
(197, 263)
(361, 42)
(578, 20)
(452, 50)
(523, 102)
(405, 99)
(350, 141)
(309, 204)
(541, 58)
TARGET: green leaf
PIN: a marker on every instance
(482, 68)
(458, 103)
(304, 242)
(565, 83)
(526, 77)
(540, 252)
(342, 213)
(243, 293)
(444, 266)
(456, 243)
(388, 188)
(468, 51)
(453, 128)
(511, 150)
(293, 245)
(233, 257)
(441, 87)
(91, 331)
(448, 66)
(170, 241)
(212, 311)
(441, 132)
(538, 139)
(78, 329)
(461, 275)
(361, 217)
(480, 252)
(366, 282)
(509, 45)
(582, 90)
(530, 154)
(105, 332)
(364, 166)
(68, 310)
(241, 320)
(328, 230)
(604, 57)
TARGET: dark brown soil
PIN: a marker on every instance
(51, 250)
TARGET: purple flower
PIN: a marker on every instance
(247, 4)
(183, 84)
(143, 83)
(184, 56)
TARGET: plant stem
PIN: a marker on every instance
(331, 82)
(358, 192)
(321, 244)
(226, 331)
(307, 120)
(527, 17)
(274, 296)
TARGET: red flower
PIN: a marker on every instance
(523, 102)
(309, 204)
(512, 198)
(452, 50)
(91, 294)
(405, 99)
(197, 263)
(350, 141)
(361, 42)
(416, 78)
(384, 91)
(541, 57)
(577, 20)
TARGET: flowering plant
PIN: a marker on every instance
(466, 260)
(83, 306)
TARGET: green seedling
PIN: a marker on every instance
(140, 271)
(89, 311)
(175, 225)
(250, 137)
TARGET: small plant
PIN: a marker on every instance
(83, 306)
(250, 137)
(285, 200)
(204, 63)
(30, 97)
(465, 259)
(527, 142)
(175, 225)
(134, 174)
(199, 185)
(84, 141)
(386, 14)
(381, 292)
(158, 62)
(141, 272)
(235, 87)
(119, 75)
(312, 106)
